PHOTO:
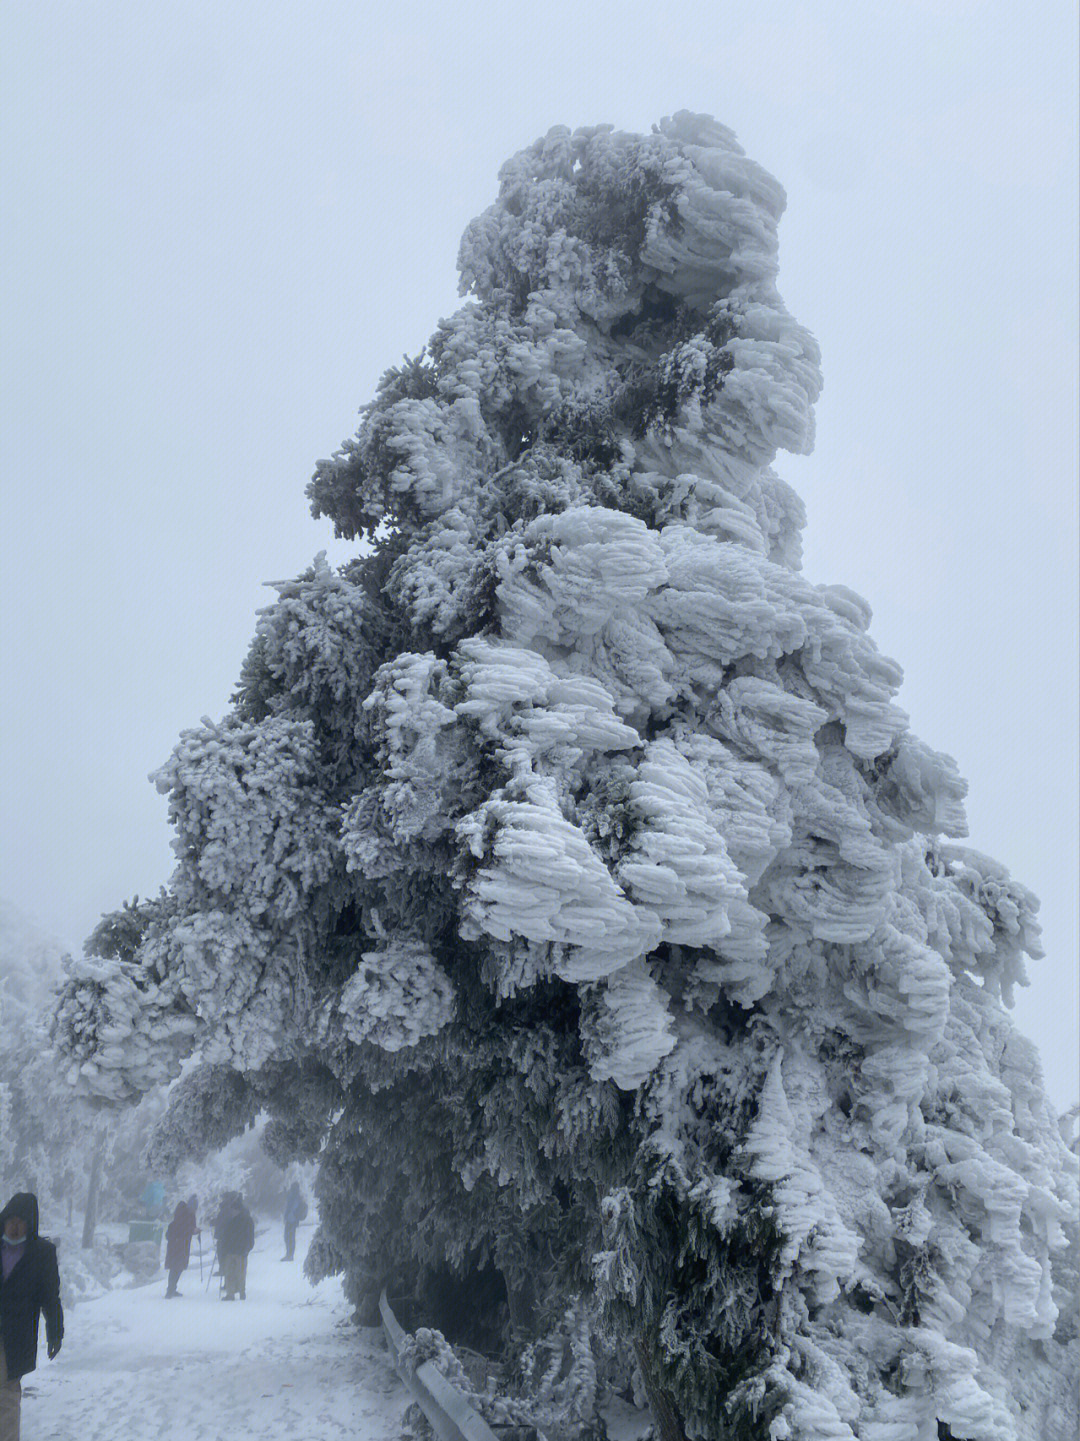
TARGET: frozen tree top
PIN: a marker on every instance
(625, 325)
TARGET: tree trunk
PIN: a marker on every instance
(367, 1311)
(93, 1192)
(669, 1426)
(522, 1303)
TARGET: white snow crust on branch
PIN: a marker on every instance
(398, 994)
(578, 746)
(120, 1034)
(542, 881)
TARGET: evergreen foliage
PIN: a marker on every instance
(566, 878)
(54, 1141)
(41, 1121)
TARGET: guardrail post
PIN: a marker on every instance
(451, 1416)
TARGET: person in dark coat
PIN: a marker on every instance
(29, 1288)
(295, 1211)
(235, 1233)
(178, 1244)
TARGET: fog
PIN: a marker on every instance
(221, 225)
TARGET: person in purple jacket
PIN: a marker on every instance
(178, 1244)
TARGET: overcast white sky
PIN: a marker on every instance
(222, 222)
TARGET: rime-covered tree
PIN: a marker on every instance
(72, 1151)
(40, 1118)
(566, 878)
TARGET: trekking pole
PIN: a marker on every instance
(200, 1258)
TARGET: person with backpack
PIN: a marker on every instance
(235, 1233)
(29, 1288)
(295, 1212)
(178, 1244)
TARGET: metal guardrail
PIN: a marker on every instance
(451, 1416)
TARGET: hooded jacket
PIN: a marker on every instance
(32, 1289)
(178, 1238)
(235, 1229)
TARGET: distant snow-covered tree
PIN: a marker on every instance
(74, 1152)
(40, 1117)
(566, 879)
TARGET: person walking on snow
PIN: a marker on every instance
(237, 1237)
(178, 1244)
(29, 1287)
(295, 1211)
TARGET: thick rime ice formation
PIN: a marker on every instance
(567, 866)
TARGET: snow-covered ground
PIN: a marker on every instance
(285, 1363)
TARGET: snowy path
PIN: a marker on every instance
(286, 1363)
